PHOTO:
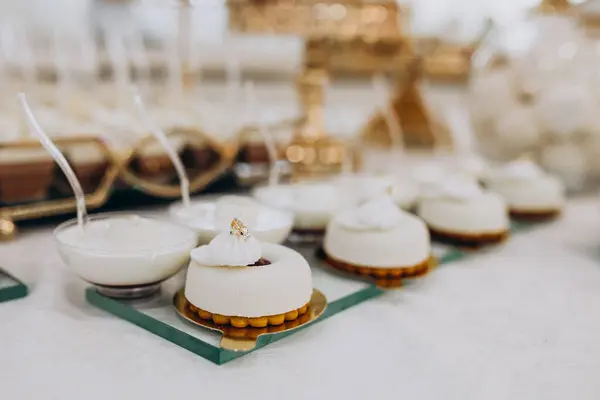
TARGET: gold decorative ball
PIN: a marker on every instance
(7, 229)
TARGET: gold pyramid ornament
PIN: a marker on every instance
(420, 131)
(554, 7)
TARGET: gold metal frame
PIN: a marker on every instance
(60, 206)
(226, 151)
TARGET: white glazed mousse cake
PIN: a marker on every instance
(378, 239)
(239, 281)
(313, 204)
(209, 218)
(125, 250)
(531, 193)
(458, 211)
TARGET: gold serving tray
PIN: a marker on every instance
(245, 339)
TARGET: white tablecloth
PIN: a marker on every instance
(521, 323)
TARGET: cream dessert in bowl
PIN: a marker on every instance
(459, 211)
(125, 255)
(210, 217)
(356, 188)
(312, 203)
(378, 239)
(531, 193)
(239, 281)
(427, 176)
(469, 165)
(405, 193)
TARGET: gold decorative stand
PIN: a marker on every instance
(311, 153)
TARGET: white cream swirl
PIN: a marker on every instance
(299, 197)
(228, 249)
(240, 207)
(520, 169)
(471, 165)
(455, 188)
(428, 175)
(314, 196)
(357, 188)
(379, 213)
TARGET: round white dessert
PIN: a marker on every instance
(485, 213)
(405, 193)
(312, 204)
(544, 193)
(282, 286)
(116, 249)
(271, 225)
(358, 187)
(405, 245)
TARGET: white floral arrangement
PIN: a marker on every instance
(537, 93)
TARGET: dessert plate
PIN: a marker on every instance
(10, 287)
(245, 339)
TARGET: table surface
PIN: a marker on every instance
(520, 323)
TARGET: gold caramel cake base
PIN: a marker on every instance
(468, 240)
(534, 216)
(384, 277)
(242, 322)
(244, 338)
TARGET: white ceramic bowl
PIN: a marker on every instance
(126, 255)
(312, 204)
(271, 225)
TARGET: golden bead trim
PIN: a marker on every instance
(379, 273)
(466, 239)
(534, 216)
(243, 322)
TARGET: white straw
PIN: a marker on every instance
(60, 159)
(89, 57)
(117, 54)
(140, 58)
(233, 78)
(27, 57)
(347, 164)
(162, 138)
(252, 110)
(390, 117)
(61, 63)
(460, 130)
(175, 77)
(194, 60)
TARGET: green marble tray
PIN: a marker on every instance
(10, 287)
